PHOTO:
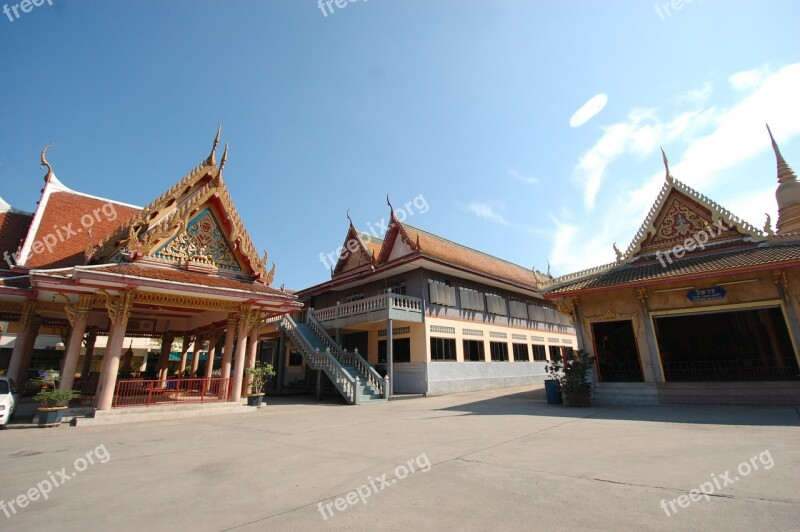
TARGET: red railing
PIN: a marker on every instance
(140, 392)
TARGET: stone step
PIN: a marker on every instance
(136, 414)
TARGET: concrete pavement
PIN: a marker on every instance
(501, 460)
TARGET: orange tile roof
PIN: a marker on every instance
(67, 249)
(444, 250)
(13, 229)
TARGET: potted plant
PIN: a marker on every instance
(52, 402)
(257, 377)
(552, 386)
(575, 387)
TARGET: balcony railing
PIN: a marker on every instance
(372, 309)
(154, 392)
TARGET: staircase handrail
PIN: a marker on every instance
(326, 361)
(360, 362)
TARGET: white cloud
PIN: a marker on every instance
(486, 212)
(714, 140)
(525, 179)
(748, 79)
(588, 110)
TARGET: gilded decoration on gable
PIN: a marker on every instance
(203, 242)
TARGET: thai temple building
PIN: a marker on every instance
(428, 315)
(181, 271)
(702, 307)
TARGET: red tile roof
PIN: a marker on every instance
(13, 229)
(67, 246)
(444, 250)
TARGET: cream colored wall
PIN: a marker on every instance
(549, 337)
(742, 291)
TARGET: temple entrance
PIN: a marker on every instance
(737, 345)
(617, 355)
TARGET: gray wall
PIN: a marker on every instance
(458, 377)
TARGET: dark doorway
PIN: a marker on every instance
(740, 345)
(617, 355)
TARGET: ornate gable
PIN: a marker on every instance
(393, 232)
(354, 253)
(197, 212)
(680, 218)
(203, 240)
(680, 212)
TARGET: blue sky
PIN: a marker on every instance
(467, 103)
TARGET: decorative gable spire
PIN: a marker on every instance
(212, 158)
(224, 159)
(45, 162)
(669, 177)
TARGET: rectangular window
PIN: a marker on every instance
(443, 349)
(441, 293)
(539, 352)
(521, 353)
(555, 353)
(473, 351)
(499, 351)
(295, 358)
(401, 350)
(354, 297)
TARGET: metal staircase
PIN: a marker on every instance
(354, 378)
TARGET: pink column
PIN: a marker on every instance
(198, 344)
(87, 358)
(230, 333)
(238, 368)
(163, 359)
(252, 346)
(104, 398)
(74, 349)
(25, 328)
(212, 352)
(187, 340)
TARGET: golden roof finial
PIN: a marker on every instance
(669, 177)
(388, 202)
(785, 172)
(617, 252)
(212, 159)
(50, 173)
(224, 158)
(350, 219)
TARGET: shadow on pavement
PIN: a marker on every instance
(533, 403)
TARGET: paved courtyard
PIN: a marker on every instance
(501, 460)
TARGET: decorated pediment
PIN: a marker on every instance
(354, 253)
(203, 241)
(194, 220)
(681, 218)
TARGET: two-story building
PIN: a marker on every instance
(436, 316)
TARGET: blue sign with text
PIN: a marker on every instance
(706, 294)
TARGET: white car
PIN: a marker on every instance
(9, 395)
